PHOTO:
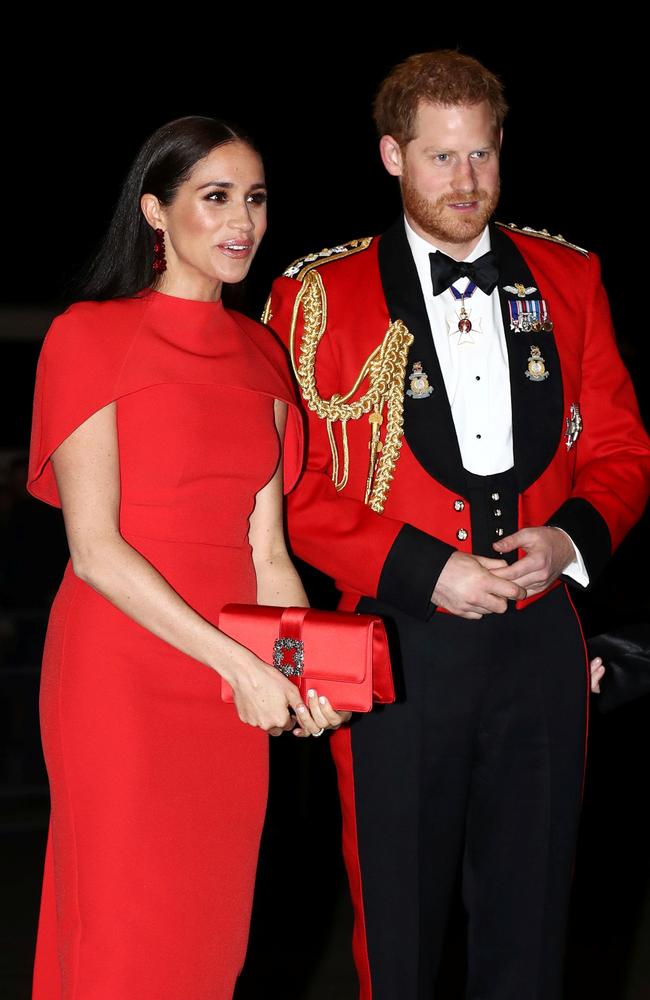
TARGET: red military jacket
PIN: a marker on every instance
(581, 454)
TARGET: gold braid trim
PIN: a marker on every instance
(300, 267)
(384, 368)
(543, 234)
(267, 314)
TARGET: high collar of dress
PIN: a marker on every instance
(176, 305)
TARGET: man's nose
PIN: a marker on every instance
(464, 177)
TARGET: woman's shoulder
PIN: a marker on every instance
(263, 337)
(93, 316)
(275, 373)
(93, 330)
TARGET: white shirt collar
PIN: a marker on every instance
(421, 248)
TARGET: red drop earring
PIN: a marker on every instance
(159, 260)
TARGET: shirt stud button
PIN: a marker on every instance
(499, 532)
(461, 534)
(459, 505)
(495, 496)
(497, 512)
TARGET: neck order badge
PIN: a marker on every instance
(461, 323)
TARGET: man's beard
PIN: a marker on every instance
(432, 219)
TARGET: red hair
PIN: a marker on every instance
(442, 77)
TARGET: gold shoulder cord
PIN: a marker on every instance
(385, 369)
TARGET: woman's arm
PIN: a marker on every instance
(278, 583)
(86, 466)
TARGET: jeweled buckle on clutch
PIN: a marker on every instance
(293, 648)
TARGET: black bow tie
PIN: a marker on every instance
(484, 271)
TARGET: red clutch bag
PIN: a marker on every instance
(343, 655)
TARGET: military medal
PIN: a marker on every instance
(530, 316)
(573, 426)
(420, 388)
(536, 370)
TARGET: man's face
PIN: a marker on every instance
(449, 173)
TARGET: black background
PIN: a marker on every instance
(302, 82)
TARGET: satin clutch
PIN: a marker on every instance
(626, 655)
(343, 655)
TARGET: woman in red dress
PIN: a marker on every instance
(162, 426)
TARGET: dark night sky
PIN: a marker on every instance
(569, 138)
(74, 114)
(571, 161)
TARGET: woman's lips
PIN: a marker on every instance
(236, 248)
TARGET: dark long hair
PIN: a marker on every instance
(122, 265)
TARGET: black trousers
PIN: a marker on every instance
(481, 761)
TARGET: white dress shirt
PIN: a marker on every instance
(475, 371)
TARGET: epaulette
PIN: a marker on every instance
(542, 234)
(300, 267)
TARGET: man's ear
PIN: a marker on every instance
(391, 155)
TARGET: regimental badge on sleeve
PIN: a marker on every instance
(573, 426)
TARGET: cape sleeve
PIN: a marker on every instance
(76, 375)
(95, 352)
(293, 444)
(280, 384)
(292, 447)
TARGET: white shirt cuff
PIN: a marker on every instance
(576, 568)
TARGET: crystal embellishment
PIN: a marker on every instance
(289, 657)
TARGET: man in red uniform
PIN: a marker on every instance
(474, 445)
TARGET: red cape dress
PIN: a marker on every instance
(158, 790)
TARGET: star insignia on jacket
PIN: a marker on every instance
(299, 267)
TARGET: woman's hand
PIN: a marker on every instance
(597, 668)
(263, 697)
(323, 714)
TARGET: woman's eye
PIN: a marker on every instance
(258, 198)
(218, 196)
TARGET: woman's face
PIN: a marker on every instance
(214, 225)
